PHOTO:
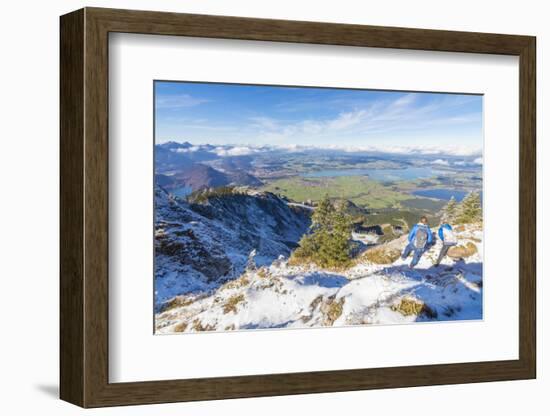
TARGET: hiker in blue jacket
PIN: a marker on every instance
(448, 238)
(420, 238)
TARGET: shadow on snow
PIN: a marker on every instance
(438, 284)
(322, 280)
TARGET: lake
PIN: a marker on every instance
(445, 194)
(377, 174)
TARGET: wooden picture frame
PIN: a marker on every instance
(84, 207)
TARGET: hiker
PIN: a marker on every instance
(448, 238)
(420, 238)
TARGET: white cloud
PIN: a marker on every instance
(403, 150)
(178, 101)
(377, 120)
(247, 149)
(265, 122)
(402, 119)
(404, 101)
(290, 147)
(234, 151)
(186, 150)
(345, 120)
(419, 150)
(311, 127)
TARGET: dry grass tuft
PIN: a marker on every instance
(332, 310)
(410, 306)
(176, 302)
(181, 327)
(382, 255)
(462, 251)
(237, 283)
(199, 327)
(263, 272)
(309, 262)
(299, 261)
(232, 302)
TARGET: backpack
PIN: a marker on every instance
(449, 237)
(420, 237)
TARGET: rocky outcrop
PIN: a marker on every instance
(201, 245)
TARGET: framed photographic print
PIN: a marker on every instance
(255, 207)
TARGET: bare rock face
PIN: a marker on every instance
(187, 249)
(200, 246)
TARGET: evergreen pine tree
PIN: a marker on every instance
(450, 210)
(470, 210)
(323, 213)
(341, 236)
(328, 243)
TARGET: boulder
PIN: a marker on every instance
(462, 251)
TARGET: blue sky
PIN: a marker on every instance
(272, 115)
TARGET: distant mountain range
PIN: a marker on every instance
(199, 166)
(174, 155)
(198, 176)
(183, 165)
(429, 151)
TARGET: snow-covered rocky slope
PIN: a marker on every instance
(379, 289)
(199, 246)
